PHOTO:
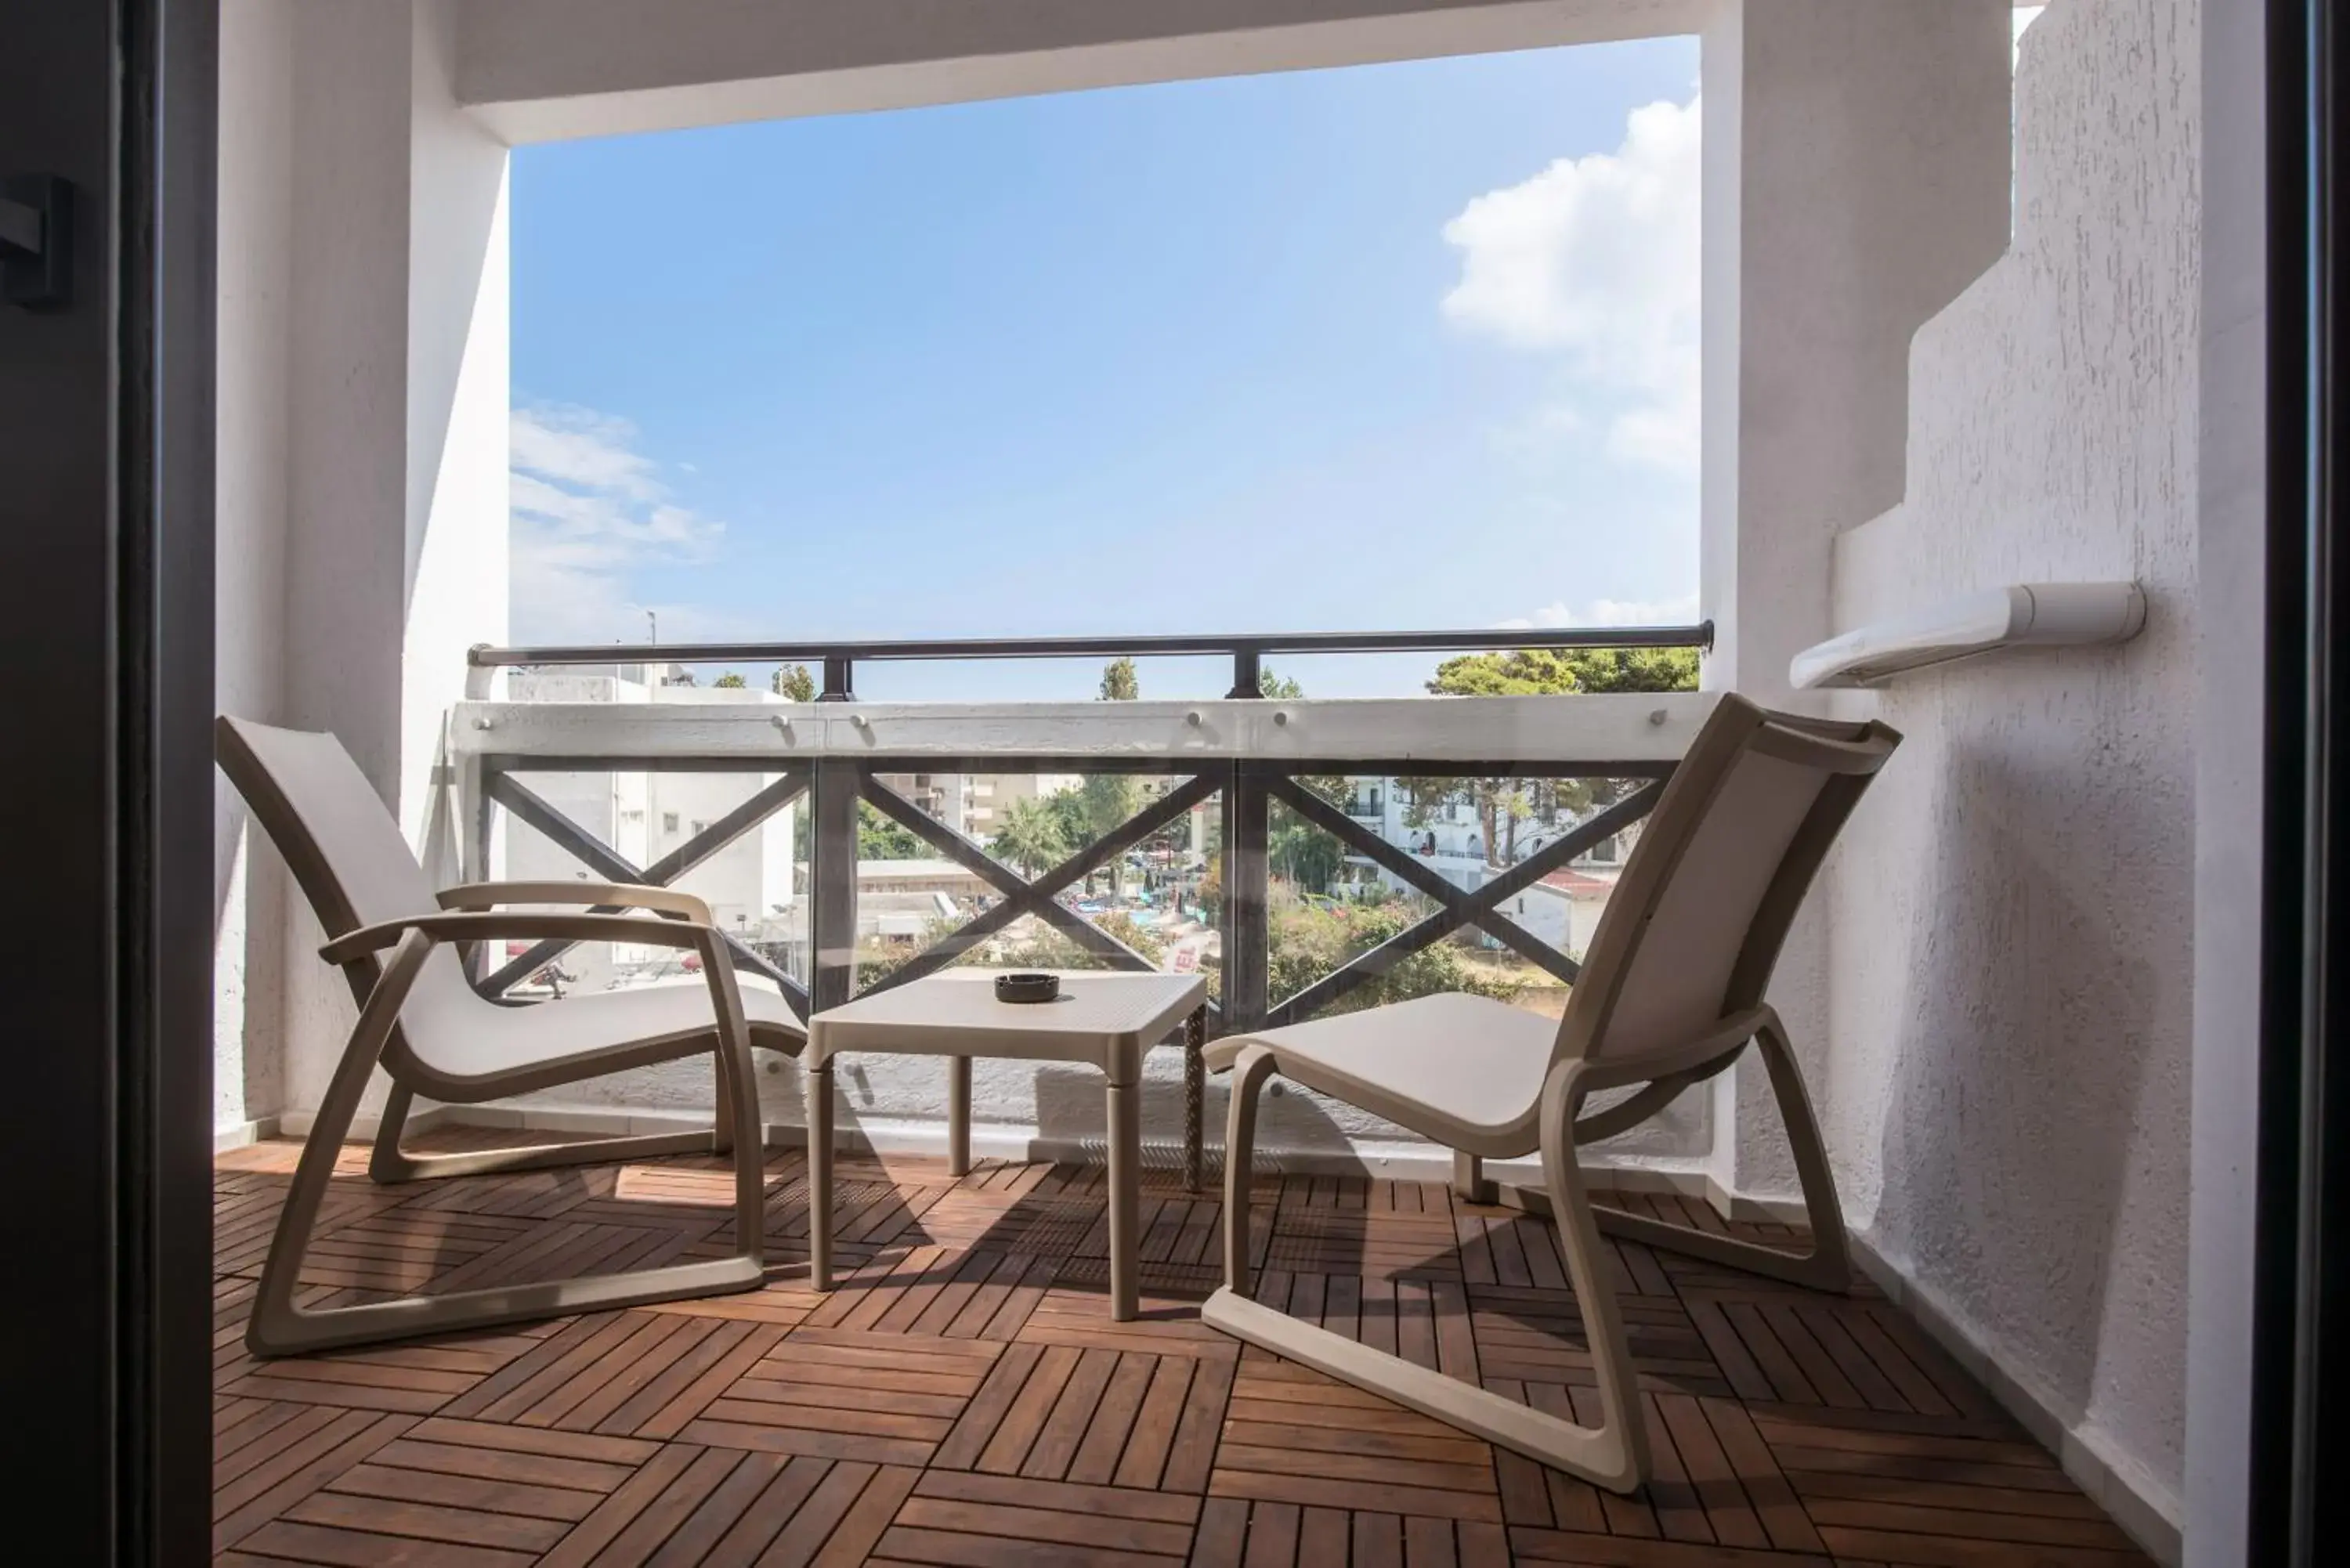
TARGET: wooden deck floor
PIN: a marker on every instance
(964, 1399)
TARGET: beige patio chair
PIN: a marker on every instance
(1671, 992)
(425, 1026)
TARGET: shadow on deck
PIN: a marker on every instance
(964, 1398)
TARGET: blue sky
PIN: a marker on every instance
(1402, 346)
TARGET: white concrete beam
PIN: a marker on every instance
(537, 70)
(1617, 728)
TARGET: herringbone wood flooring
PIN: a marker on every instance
(964, 1399)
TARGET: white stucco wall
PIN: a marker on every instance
(255, 219)
(362, 395)
(2014, 905)
(455, 560)
(1856, 181)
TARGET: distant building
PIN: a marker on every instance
(903, 899)
(1450, 842)
(974, 804)
(993, 795)
(644, 816)
(1562, 909)
(944, 795)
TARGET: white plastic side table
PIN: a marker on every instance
(1105, 1018)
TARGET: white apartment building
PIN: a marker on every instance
(1450, 839)
(645, 816)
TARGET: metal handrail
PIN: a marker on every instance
(1246, 650)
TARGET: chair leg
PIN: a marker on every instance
(386, 1163)
(1470, 1182)
(1618, 1448)
(958, 1115)
(280, 1327)
(1828, 1265)
(1250, 1070)
(1613, 1454)
(818, 1083)
(722, 1118)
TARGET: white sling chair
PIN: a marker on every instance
(434, 1034)
(1671, 992)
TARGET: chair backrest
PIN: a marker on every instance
(347, 854)
(1694, 926)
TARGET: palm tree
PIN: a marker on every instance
(1031, 837)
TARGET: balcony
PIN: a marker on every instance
(1952, 341)
(963, 1396)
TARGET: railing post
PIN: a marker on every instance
(1248, 673)
(838, 684)
(477, 830)
(1244, 929)
(832, 876)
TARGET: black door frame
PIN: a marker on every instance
(2300, 1402)
(105, 549)
(106, 555)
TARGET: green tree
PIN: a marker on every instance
(1502, 804)
(1118, 681)
(1563, 671)
(1071, 816)
(731, 681)
(880, 838)
(1308, 941)
(1108, 799)
(1036, 946)
(1030, 839)
(793, 683)
(1297, 851)
(1133, 934)
(1300, 852)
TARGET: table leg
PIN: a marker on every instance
(1195, 1082)
(819, 1155)
(1125, 1163)
(959, 1116)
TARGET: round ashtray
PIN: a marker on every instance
(1027, 987)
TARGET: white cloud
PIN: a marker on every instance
(1595, 259)
(1681, 612)
(588, 509)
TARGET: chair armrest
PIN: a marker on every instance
(667, 901)
(533, 925)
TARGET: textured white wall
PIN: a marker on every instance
(2014, 905)
(362, 393)
(1856, 179)
(458, 389)
(254, 228)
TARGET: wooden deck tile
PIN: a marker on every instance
(964, 1398)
